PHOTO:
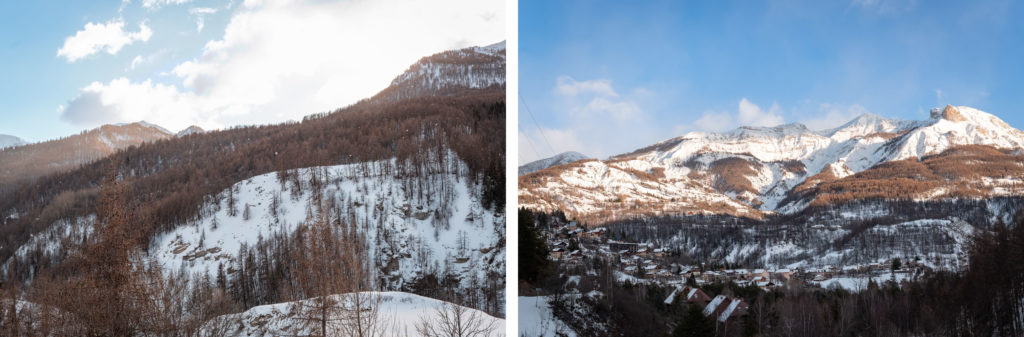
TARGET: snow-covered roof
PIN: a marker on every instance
(728, 310)
(710, 308)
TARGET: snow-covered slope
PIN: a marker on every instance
(400, 312)
(9, 141)
(558, 159)
(449, 72)
(536, 319)
(412, 229)
(189, 130)
(761, 167)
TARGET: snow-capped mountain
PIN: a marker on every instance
(38, 159)
(448, 73)
(558, 159)
(9, 141)
(189, 131)
(754, 171)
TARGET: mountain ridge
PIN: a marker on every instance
(30, 161)
(558, 159)
(10, 141)
(763, 168)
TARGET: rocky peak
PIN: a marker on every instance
(950, 113)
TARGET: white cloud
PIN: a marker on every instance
(200, 14)
(156, 4)
(96, 37)
(752, 115)
(831, 115)
(141, 60)
(603, 108)
(136, 61)
(596, 121)
(567, 86)
(122, 100)
(714, 122)
(747, 114)
(281, 60)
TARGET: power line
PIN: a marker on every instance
(528, 141)
(530, 112)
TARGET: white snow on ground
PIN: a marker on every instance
(856, 146)
(55, 239)
(403, 310)
(536, 319)
(406, 230)
(861, 283)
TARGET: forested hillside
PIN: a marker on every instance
(163, 237)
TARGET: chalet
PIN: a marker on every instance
(712, 306)
(573, 226)
(595, 233)
(557, 252)
(575, 232)
(731, 308)
(575, 255)
(620, 246)
(710, 276)
(855, 269)
(692, 295)
(783, 274)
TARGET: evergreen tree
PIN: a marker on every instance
(533, 252)
(694, 324)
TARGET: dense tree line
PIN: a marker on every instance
(100, 283)
(168, 180)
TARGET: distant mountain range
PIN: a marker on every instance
(9, 141)
(757, 171)
(30, 161)
(558, 159)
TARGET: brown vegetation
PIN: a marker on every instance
(25, 163)
(959, 170)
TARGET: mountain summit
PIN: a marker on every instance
(558, 159)
(756, 171)
(39, 159)
(449, 72)
(9, 141)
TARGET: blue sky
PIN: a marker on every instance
(73, 65)
(607, 77)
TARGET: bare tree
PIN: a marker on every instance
(319, 274)
(451, 320)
